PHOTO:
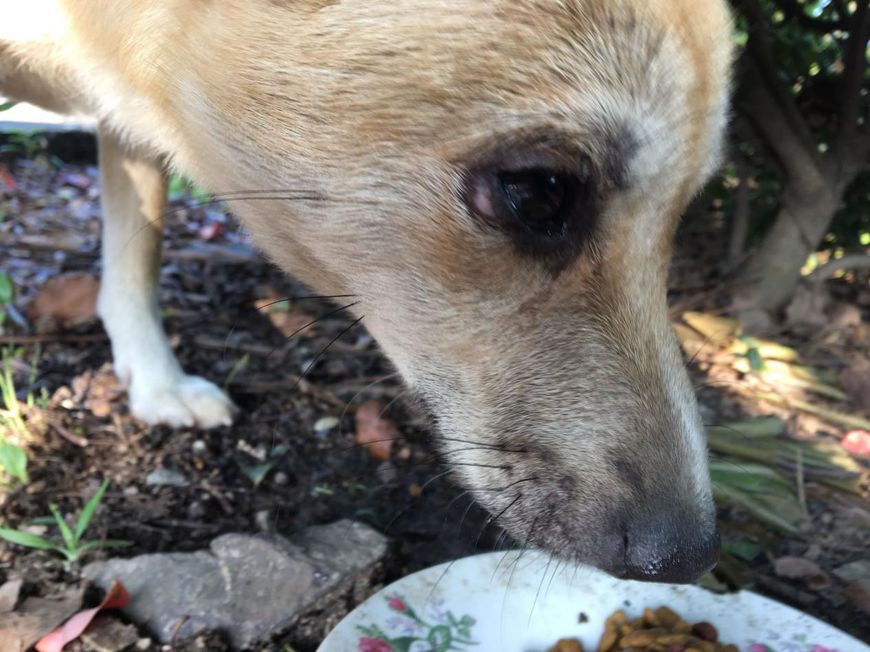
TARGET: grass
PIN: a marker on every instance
(6, 295)
(13, 460)
(70, 544)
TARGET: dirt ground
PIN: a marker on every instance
(211, 286)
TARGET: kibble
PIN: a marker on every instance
(657, 630)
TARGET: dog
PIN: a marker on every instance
(496, 182)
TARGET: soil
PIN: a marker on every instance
(211, 284)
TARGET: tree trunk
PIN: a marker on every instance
(772, 272)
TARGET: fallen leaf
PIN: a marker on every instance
(376, 433)
(108, 634)
(795, 568)
(19, 629)
(116, 597)
(64, 301)
(97, 390)
(9, 595)
(801, 568)
(289, 320)
(855, 379)
(857, 442)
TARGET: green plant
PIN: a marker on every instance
(26, 144)
(6, 295)
(13, 460)
(71, 546)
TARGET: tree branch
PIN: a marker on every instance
(760, 51)
(762, 109)
(794, 10)
(852, 101)
(771, 107)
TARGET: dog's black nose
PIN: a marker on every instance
(669, 547)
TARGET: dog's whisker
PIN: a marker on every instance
(376, 381)
(311, 323)
(311, 365)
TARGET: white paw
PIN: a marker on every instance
(187, 402)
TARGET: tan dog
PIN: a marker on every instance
(497, 181)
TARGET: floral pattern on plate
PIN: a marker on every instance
(441, 631)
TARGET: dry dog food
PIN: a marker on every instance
(662, 630)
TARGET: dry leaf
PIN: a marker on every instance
(116, 598)
(856, 381)
(289, 320)
(19, 630)
(801, 568)
(63, 302)
(9, 595)
(376, 433)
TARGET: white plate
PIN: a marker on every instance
(519, 603)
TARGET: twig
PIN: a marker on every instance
(52, 337)
(74, 439)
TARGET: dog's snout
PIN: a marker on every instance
(669, 547)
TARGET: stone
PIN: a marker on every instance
(325, 424)
(249, 587)
(9, 595)
(853, 571)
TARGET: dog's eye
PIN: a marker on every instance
(539, 200)
(543, 209)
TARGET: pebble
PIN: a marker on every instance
(386, 472)
(325, 424)
(196, 510)
(162, 477)
(263, 519)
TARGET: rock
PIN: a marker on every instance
(853, 571)
(162, 477)
(249, 587)
(107, 634)
(325, 424)
(9, 595)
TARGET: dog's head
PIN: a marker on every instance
(499, 184)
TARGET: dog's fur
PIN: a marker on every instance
(555, 380)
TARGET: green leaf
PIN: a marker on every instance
(403, 643)
(28, 540)
(65, 531)
(258, 472)
(88, 511)
(745, 550)
(5, 106)
(13, 460)
(763, 427)
(782, 517)
(108, 543)
(440, 638)
(6, 290)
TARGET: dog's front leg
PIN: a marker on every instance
(133, 197)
